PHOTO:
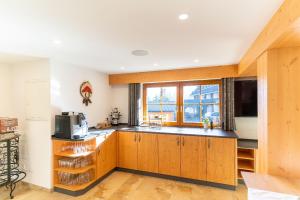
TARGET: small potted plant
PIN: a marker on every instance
(206, 122)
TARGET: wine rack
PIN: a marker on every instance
(10, 174)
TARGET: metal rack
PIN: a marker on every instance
(10, 174)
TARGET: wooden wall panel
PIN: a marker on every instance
(279, 112)
(201, 73)
(262, 102)
(281, 31)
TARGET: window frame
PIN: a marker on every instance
(179, 112)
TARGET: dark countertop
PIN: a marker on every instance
(161, 130)
(182, 131)
(247, 143)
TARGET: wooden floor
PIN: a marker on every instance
(126, 186)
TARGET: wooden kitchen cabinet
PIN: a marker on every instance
(221, 160)
(110, 152)
(169, 154)
(127, 150)
(193, 157)
(106, 154)
(147, 152)
(210, 159)
(100, 157)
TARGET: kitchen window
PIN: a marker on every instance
(183, 103)
(161, 102)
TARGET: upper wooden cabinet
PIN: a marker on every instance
(127, 150)
(221, 160)
(147, 152)
(169, 154)
(193, 157)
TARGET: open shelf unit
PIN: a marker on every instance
(246, 159)
(75, 170)
(64, 151)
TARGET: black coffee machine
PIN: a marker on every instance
(71, 125)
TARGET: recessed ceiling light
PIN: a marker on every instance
(183, 16)
(122, 68)
(155, 65)
(57, 42)
(196, 61)
(139, 52)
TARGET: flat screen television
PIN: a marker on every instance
(245, 98)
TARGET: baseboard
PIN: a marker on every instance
(175, 178)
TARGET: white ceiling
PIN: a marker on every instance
(101, 34)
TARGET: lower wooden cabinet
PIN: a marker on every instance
(147, 152)
(138, 151)
(110, 152)
(100, 158)
(127, 151)
(106, 154)
(169, 154)
(204, 158)
(221, 160)
(193, 157)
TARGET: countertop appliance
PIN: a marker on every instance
(71, 125)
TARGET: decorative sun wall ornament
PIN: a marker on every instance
(86, 92)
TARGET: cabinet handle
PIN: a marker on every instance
(178, 141)
(182, 141)
(135, 137)
(209, 143)
(139, 138)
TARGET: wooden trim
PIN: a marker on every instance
(281, 31)
(180, 86)
(190, 74)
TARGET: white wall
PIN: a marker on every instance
(5, 91)
(120, 100)
(31, 104)
(65, 83)
(246, 127)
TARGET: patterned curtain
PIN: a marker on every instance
(228, 121)
(134, 103)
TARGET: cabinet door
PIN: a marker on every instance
(221, 160)
(193, 157)
(169, 154)
(127, 150)
(100, 160)
(147, 152)
(110, 152)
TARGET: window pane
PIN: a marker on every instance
(162, 102)
(191, 104)
(168, 95)
(167, 112)
(191, 94)
(210, 93)
(191, 113)
(153, 95)
(211, 111)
